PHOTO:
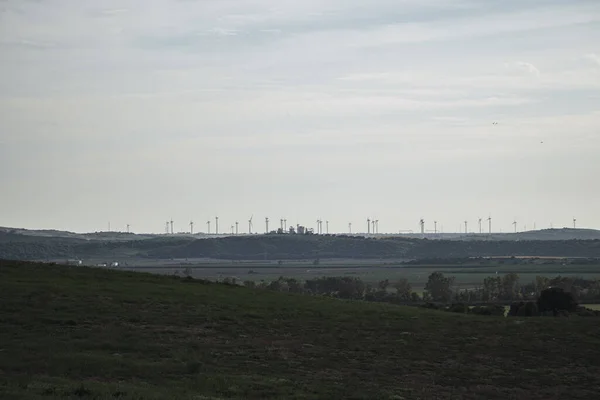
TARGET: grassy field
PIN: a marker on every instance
(93, 333)
(371, 271)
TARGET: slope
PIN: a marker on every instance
(89, 333)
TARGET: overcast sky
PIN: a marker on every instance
(141, 111)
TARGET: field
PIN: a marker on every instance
(371, 271)
(69, 332)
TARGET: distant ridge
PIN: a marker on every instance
(541, 234)
(47, 246)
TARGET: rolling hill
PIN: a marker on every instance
(92, 333)
(21, 246)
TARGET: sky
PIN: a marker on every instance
(138, 112)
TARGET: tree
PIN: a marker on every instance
(439, 287)
(556, 299)
(383, 285)
(492, 288)
(403, 289)
(509, 289)
(414, 296)
(294, 285)
(541, 283)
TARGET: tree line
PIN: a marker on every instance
(539, 297)
(438, 289)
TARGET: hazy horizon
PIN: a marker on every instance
(139, 112)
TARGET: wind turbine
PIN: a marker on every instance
(490, 223)
(127, 228)
(466, 230)
(479, 225)
(350, 227)
(434, 226)
(267, 224)
(574, 223)
(171, 226)
(368, 225)
(216, 225)
(327, 227)
(284, 224)
(232, 229)
(373, 225)
(192, 227)
(515, 224)
(250, 225)
(281, 224)
(422, 223)
(236, 227)
(376, 226)
(208, 227)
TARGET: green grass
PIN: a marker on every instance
(92, 333)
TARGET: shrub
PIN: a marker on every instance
(432, 306)
(514, 309)
(523, 309)
(555, 300)
(494, 310)
(586, 312)
(459, 308)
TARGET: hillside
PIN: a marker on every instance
(284, 247)
(92, 333)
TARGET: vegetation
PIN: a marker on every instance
(440, 289)
(68, 332)
(284, 247)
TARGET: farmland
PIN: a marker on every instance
(91, 333)
(368, 271)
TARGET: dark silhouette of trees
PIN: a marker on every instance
(555, 300)
(523, 309)
(404, 290)
(438, 287)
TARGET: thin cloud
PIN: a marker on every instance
(594, 58)
(523, 66)
(529, 67)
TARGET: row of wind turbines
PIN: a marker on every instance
(169, 227)
(480, 222)
(372, 226)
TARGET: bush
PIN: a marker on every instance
(514, 309)
(494, 310)
(528, 309)
(459, 308)
(230, 281)
(523, 309)
(555, 300)
(432, 306)
(586, 312)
